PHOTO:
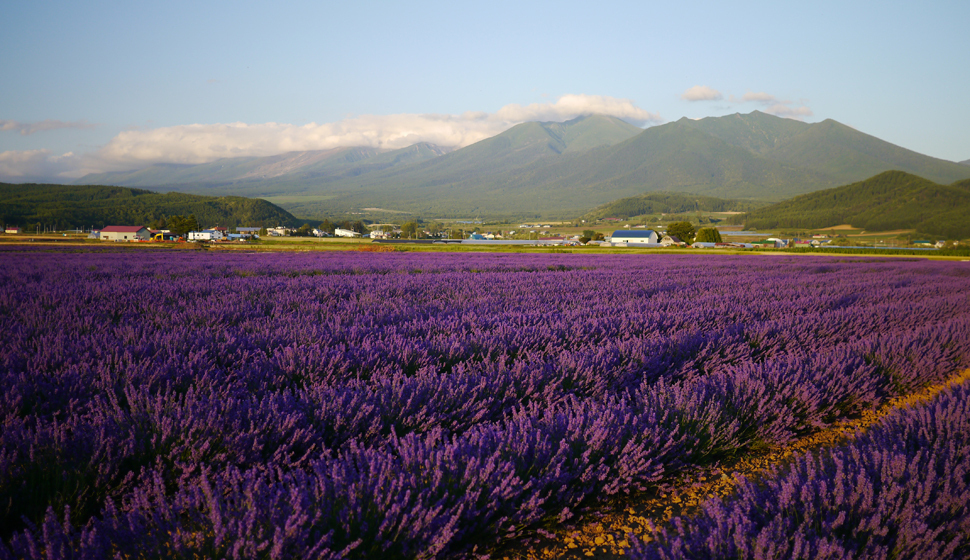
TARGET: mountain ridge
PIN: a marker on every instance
(564, 169)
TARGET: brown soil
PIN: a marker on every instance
(605, 531)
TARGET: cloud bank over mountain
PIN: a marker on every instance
(201, 143)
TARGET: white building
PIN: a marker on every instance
(206, 235)
(340, 232)
(12, 229)
(280, 231)
(124, 233)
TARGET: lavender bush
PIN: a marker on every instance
(420, 405)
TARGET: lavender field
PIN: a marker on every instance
(401, 405)
(898, 491)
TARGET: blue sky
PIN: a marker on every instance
(94, 86)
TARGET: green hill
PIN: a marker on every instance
(888, 201)
(667, 203)
(74, 206)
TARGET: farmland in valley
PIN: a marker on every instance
(436, 405)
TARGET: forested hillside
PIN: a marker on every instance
(669, 203)
(76, 206)
(888, 201)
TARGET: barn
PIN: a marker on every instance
(634, 236)
(124, 233)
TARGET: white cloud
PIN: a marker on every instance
(22, 163)
(774, 106)
(786, 110)
(760, 97)
(571, 106)
(26, 129)
(200, 143)
(44, 165)
(701, 93)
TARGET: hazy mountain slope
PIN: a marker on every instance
(251, 175)
(506, 153)
(890, 200)
(84, 206)
(679, 157)
(228, 170)
(965, 162)
(845, 155)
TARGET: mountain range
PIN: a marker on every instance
(558, 169)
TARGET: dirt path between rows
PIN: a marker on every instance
(605, 532)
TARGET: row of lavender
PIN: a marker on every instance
(415, 405)
(899, 491)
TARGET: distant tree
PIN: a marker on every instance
(357, 226)
(683, 230)
(263, 232)
(589, 233)
(326, 226)
(160, 223)
(409, 230)
(304, 231)
(584, 240)
(181, 225)
(708, 235)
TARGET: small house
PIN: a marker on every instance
(12, 229)
(671, 240)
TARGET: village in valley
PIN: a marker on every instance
(676, 235)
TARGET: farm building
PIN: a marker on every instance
(124, 233)
(12, 229)
(340, 232)
(634, 236)
(669, 240)
(206, 235)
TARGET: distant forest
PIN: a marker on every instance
(888, 201)
(86, 206)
